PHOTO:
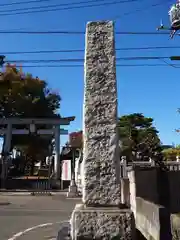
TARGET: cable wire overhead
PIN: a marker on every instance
(63, 5)
(82, 50)
(142, 9)
(68, 32)
(81, 65)
(66, 8)
(23, 2)
(82, 60)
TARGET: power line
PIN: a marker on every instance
(141, 9)
(143, 33)
(42, 32)
(81, 65)
(22, 3)
(82, 60)
(82, 50)
(142, 58)
(66, 4)
(45, 61)
(148, 48)
(60, 5)
(79, 32)
(169, 64)
(67, 8)
(43, 51)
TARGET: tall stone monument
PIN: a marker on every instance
(100, 216)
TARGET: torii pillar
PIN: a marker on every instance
(57, 153)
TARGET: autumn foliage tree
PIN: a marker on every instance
(172, 153)
(25, 96)
(22, 95)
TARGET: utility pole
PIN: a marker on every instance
(3, 155)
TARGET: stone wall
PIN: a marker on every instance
(174, 190)
(143, 183)
(175, 226)
(155, 186)
(132, 189)
(152, 220)
(146, 183)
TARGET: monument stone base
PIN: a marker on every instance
(102, 223)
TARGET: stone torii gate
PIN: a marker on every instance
(8, 131)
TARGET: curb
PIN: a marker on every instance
(32, 193)
(14, 194)
(4, 203)
(64, 232)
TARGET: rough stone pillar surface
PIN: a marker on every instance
(100, 216)
(101, 169)
(102, 223)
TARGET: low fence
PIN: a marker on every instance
(35, 185)
(125, 167)
(156, 186)
(42, 187)
(172, 165)
(152, 220)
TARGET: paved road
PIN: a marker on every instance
(29, 213)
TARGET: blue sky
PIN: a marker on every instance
(153, 91)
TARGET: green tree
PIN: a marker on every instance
(25, 96)
(138, 137)
(170, 154)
